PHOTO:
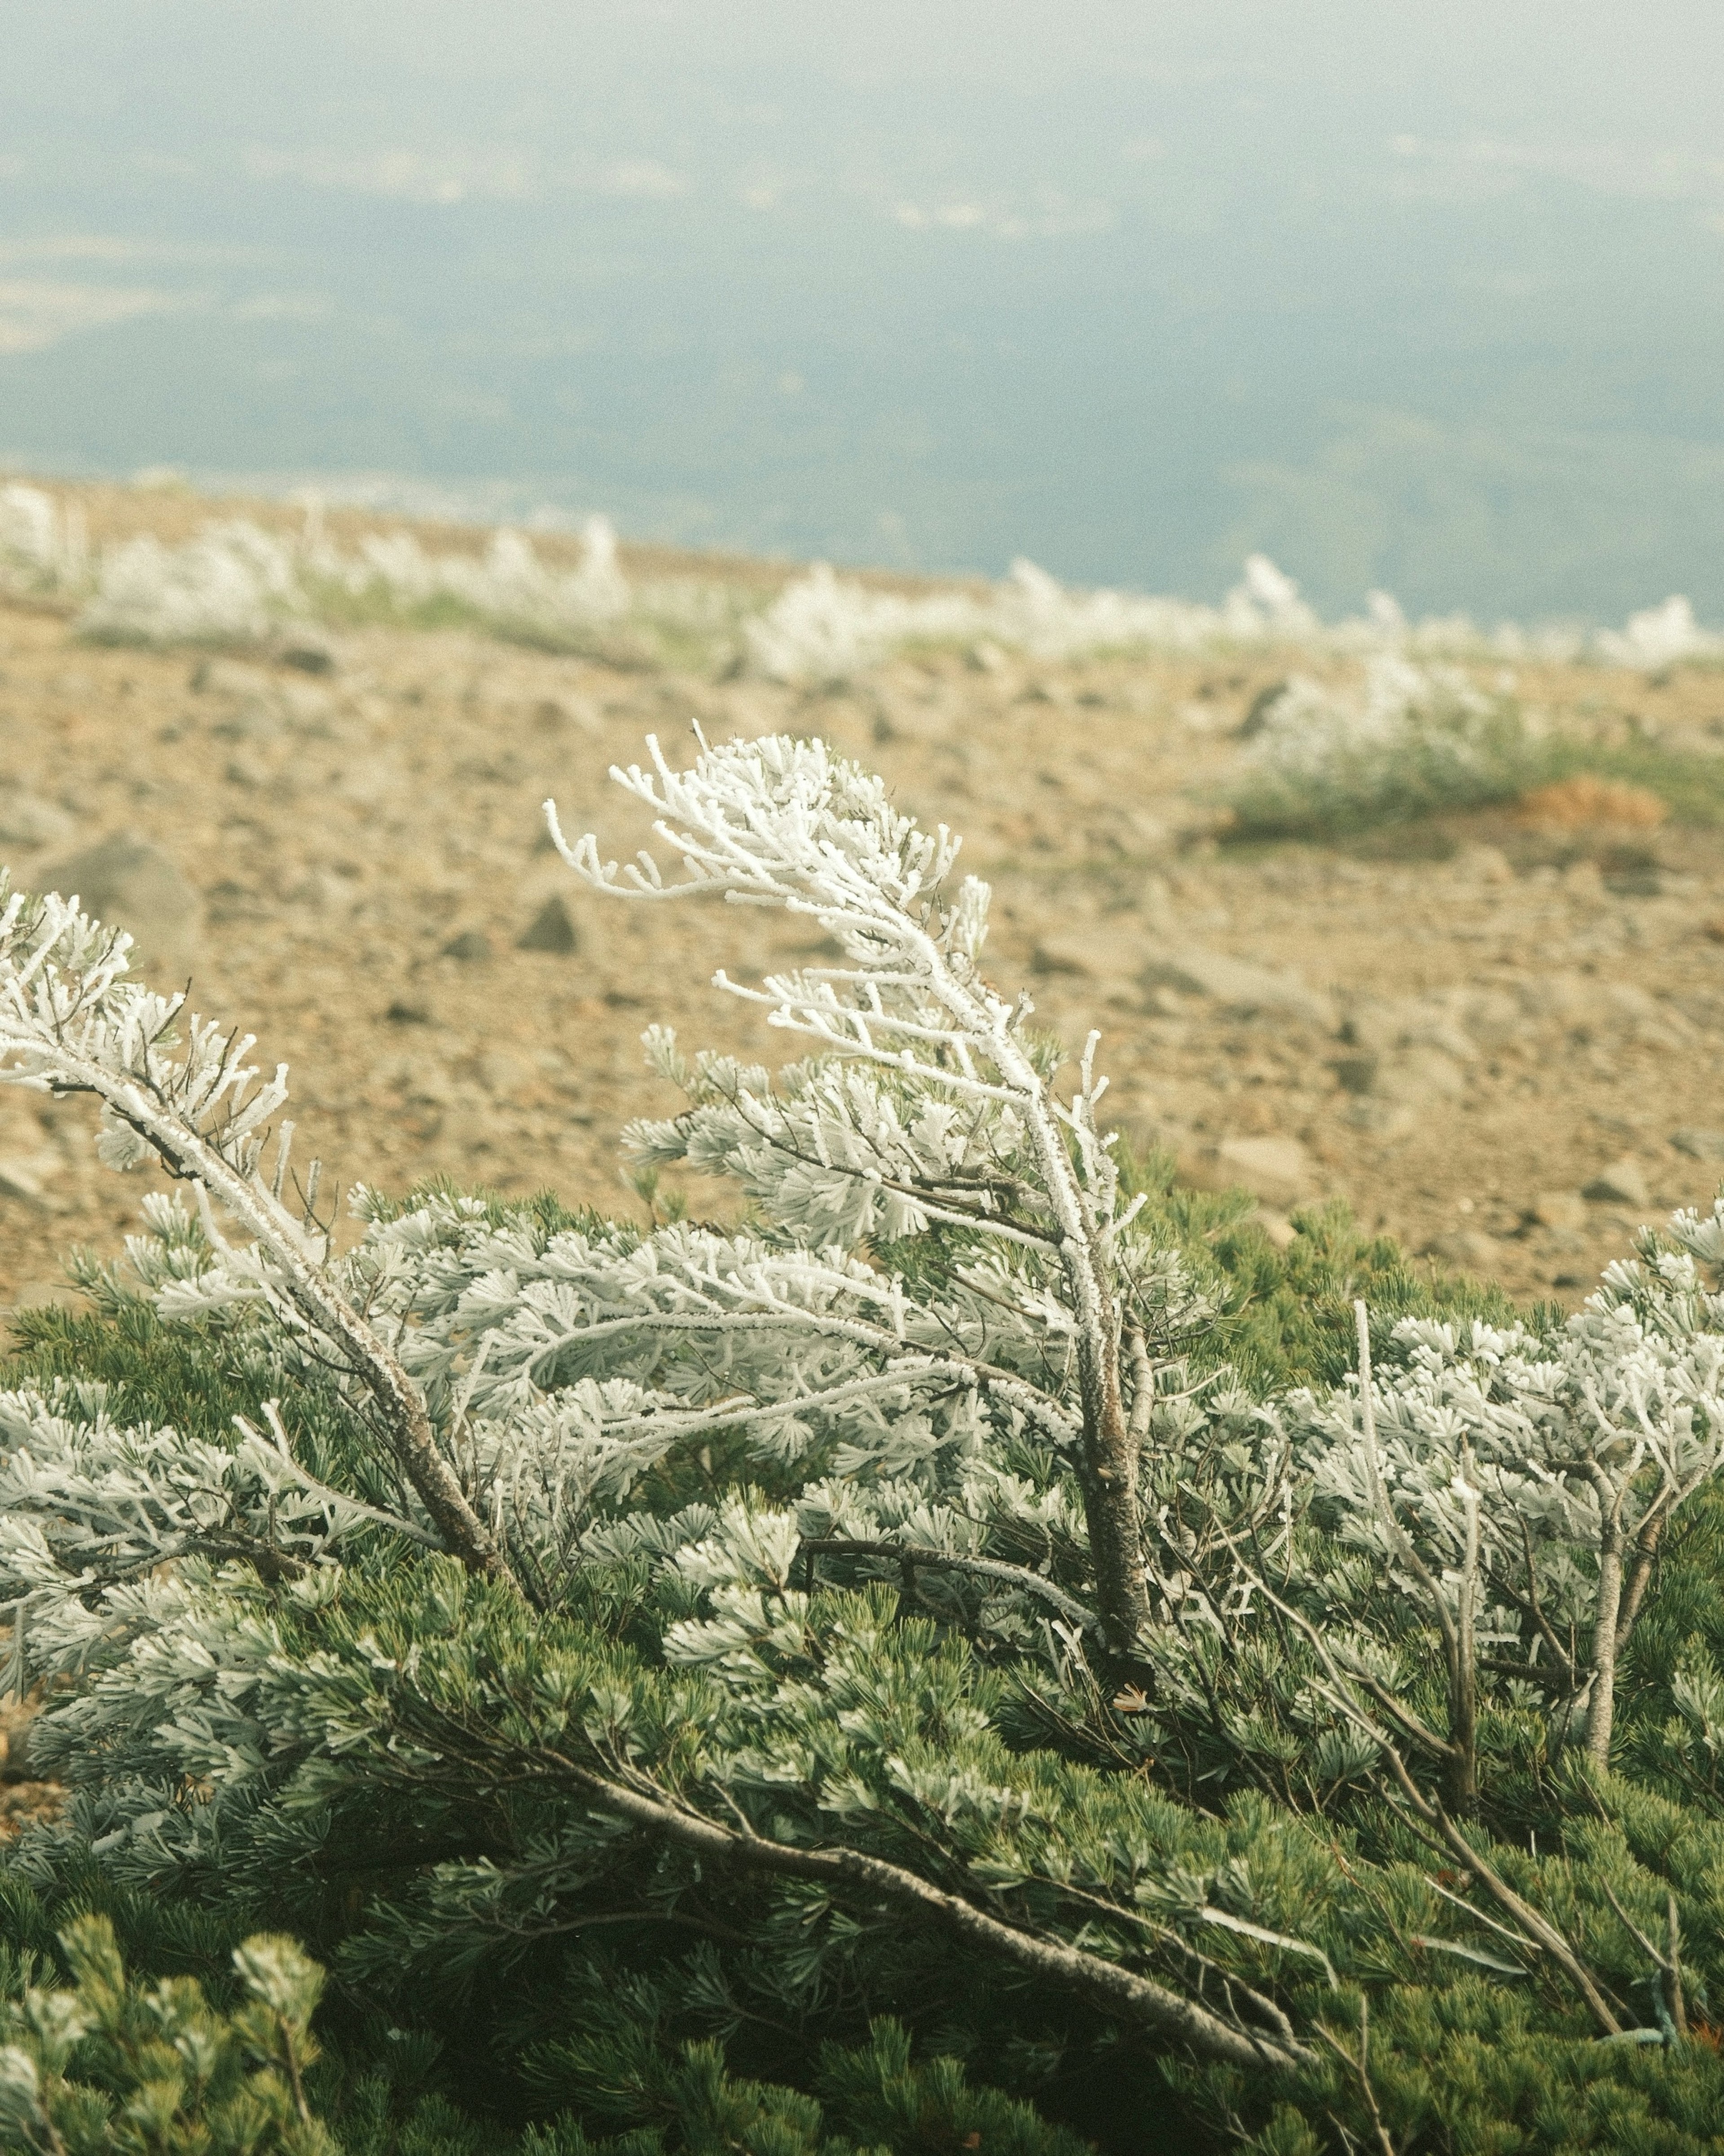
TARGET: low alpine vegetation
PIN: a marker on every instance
(984, 1653)
(1411, 742)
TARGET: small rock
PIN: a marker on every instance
(1568, 997)
(1380, 1119)
(229, 677)
(472, 945)
(309, 710)
(1278, 1170)
(1648, 1017)
(1276, 1227)
(419, 1080)
(257, 719)
(1698, 1144)
(1443, 1034)
(1648, 882)
(551, 714)
(20, 1177)
(308, 655)
(1583, 878)
(127, 882)
(1236, 984)
(553, 929)
(1418, 1076)
(1470, 1248)
(1484, 864)
(1623, 1183)
(402, 1012)
(26, 820)
(1491, 1019)
(499, 1072)
(1558, 1208)
(1061, 954)
(1374, 1027)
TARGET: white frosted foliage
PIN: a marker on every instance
(945, 1344)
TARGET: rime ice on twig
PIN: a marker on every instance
(934, 1107)
(178, 1086)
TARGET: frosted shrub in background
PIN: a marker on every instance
(508, 583)
(41, 550)
(1658, 637)
(820, 628)
(233, 583)
(823, 627)
(1409, 741)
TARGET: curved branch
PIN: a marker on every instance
(141, 1094)
(1104, 1983)
(986, 1568)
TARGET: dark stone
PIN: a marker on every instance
(472, 944)
(552, 929)
(307, 657)
(125, 882)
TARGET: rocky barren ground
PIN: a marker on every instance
(1499, 1043)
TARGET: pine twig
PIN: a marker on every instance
(1359, 2067)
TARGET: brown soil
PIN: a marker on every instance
(1507, 1021)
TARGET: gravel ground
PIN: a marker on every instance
(1490, 1055)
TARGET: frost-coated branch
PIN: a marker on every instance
(786, 822)
(72, 1022)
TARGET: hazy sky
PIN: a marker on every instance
(1428, 298)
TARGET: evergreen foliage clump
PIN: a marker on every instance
(982, 1653)
(107, 2067)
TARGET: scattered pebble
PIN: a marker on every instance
(125, 882)
(1623, 1183)
(552, 929)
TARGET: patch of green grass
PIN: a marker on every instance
(1351, 799)
(1692, 787)
(697, 629)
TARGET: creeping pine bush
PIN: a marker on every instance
(108, 2066)
(981, 1652)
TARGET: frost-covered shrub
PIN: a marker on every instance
(1409, 741)
(507, 584)
(235, 582)
(44, 549)
(822, 627)
(696, 1633)
(1658, 637)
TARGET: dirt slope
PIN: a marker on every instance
(1460, 1047)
